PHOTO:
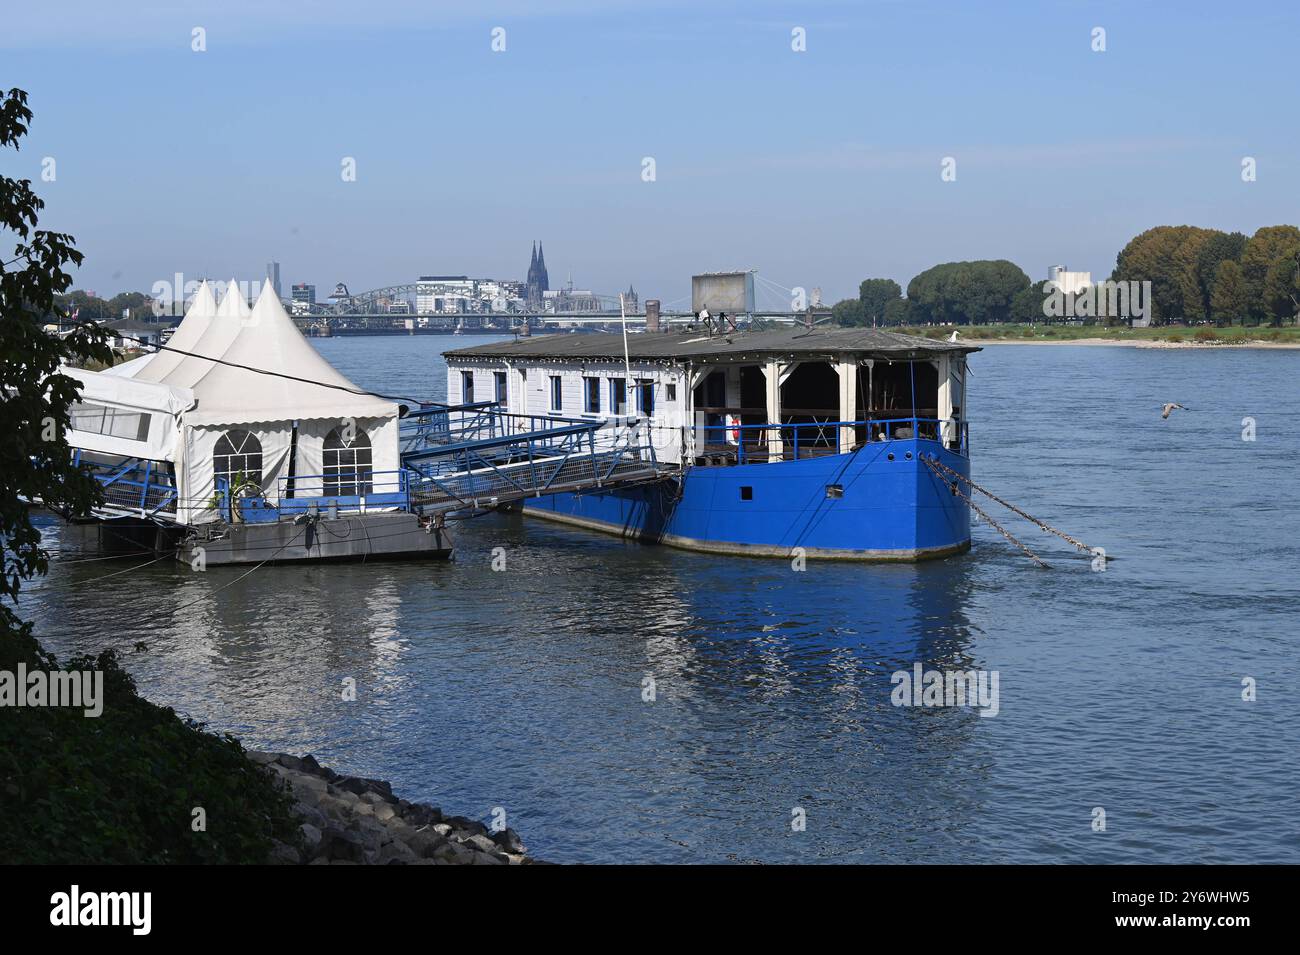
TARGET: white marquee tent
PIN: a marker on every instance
(255, 399)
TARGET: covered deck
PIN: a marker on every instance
(779, 395)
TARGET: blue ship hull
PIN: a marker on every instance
(893, 507)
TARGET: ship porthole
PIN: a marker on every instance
(890, 456)
(908, 455)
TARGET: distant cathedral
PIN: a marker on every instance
(537, 280)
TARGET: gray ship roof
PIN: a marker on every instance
(818, 343)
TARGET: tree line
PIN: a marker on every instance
(1196, 275)
(92, 308)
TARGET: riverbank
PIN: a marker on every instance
(1141, 343)
(1163, 336)
(352, 820)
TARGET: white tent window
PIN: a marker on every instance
(237, 453)
(116, 422)
(347, 466)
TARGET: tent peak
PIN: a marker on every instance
(233, 304)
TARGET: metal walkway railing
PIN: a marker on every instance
(477, 455)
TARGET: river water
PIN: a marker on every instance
(1119, 691)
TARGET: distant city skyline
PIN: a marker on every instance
(646, 141)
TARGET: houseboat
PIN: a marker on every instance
(239, 443)
(795, 441)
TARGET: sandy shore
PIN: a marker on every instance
(1134, 343)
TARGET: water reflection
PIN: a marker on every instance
(523, 689)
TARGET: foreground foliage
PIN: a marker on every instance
(122, 786)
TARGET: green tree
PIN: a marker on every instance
(1282, 286)
(875, 295)
(1228, 299)
(1027, 306)
(72, 789)
(35, 461)
(1220, 247)
(1263, 249)
(974, 293)
(1159, 256)
(849, 311)
(897, 312)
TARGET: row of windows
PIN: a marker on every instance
(347, 467)
(591, 393)
(617, 391)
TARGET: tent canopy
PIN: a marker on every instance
(264, 339)
(305, 385)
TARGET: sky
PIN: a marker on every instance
(818, 167)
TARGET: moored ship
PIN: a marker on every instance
(791, 441)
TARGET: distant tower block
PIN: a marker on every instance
(652, 315)
(273, 276)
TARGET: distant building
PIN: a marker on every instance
(273, 276)
(630, 300)
(131, 335)
(304, 296)
(445, 294)
(1070, 283)
(537, 284)
(570, 299)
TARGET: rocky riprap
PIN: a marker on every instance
(351, 820)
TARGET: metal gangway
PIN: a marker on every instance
(479, 455)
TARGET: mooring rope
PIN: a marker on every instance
(1011, 507)
(978, 510)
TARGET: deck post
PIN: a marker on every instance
(774, 372)
(848, 372)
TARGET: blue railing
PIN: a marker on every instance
(436, 427)
(448, 424)
(137, 485)
(353, 491)
(755, 443)
(344, 492)
(554, 454)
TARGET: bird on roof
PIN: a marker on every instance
(1169, 408)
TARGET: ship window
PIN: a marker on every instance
(347, 464)
(618, 396)
(500, 377)
(670, 392)
(557, 394)
(237, 458)
(591, 388)
(467, 387)
(645, 396)
(746, 492)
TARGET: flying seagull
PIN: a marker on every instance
(1169, 409)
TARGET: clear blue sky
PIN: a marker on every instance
(817, 168)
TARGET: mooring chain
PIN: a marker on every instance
(992, 523)
(1011, 507)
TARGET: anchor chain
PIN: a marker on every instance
(1011, 507)
(978, 510)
